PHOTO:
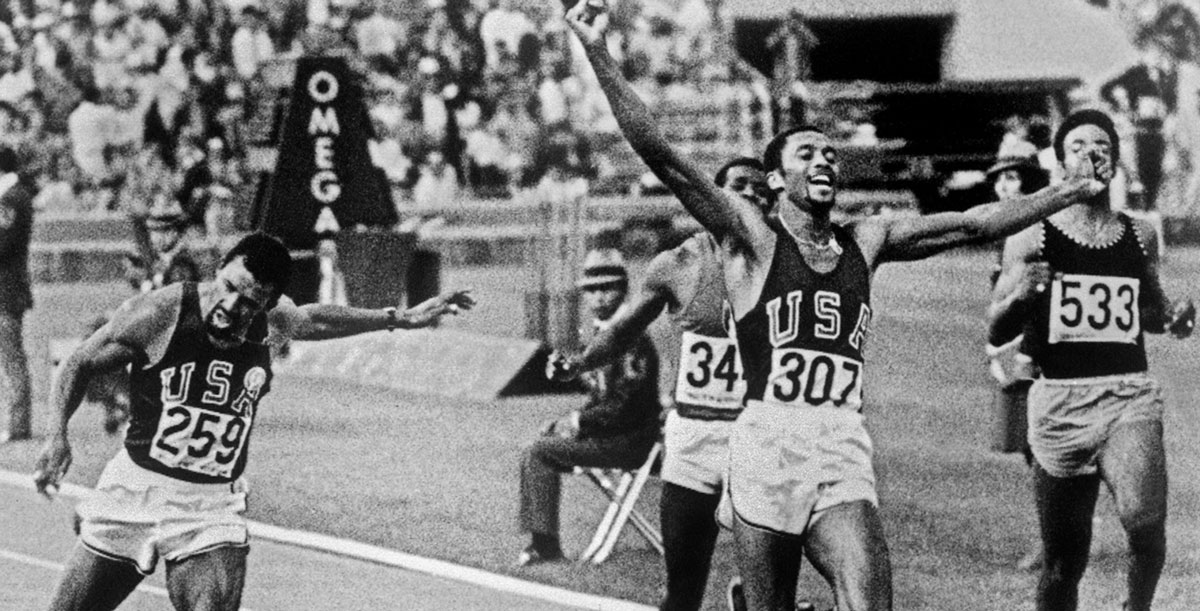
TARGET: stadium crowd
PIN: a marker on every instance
(111, 103)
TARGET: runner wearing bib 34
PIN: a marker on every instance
(708, 391)
(1088, 284)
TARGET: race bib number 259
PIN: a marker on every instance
(1085, 308)
(199, 440)
(811, 377)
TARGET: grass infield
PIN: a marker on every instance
(438, 478)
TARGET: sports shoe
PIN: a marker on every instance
(735, 595)
(533, 555)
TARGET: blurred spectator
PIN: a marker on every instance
(562, 156)
(88, 128)
(56, 186)
(501, 30)
(251, 45)
(16, 226)
(379, 36)
(16, 78)
(437, 184)
(386, 151)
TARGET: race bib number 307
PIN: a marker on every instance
(199, 440)
(710, 372)
(810, 377)
(1086, 308)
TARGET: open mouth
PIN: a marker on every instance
(220, 319)
(821, 180)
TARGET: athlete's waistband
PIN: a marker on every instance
(799, 407)
(123, 471)
(1106, 379)
(703, 412)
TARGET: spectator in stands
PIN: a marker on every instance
(562, 156)
(16, 298)
(56, 185)
(251, 45)
(16, 77)
(437, 184)
(501, 29)
(616, 427)
(88, 128)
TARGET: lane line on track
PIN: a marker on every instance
(54, 566)
(389, 557)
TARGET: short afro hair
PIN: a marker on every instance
(749, 162)
(772, 157)
(266, 258)
(1088, 116)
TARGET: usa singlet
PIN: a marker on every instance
(191, 412)
(1089, 323)
(710, 384)
(802, 342)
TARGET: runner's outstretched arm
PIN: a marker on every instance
(325, 321)
(623, 330)
(702, 198)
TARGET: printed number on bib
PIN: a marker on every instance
(815, 378)
(1087, 308)
(199, 440)
(710, 372)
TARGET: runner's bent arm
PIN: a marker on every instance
(1017, 286)
(1158, 314)
(133, 328)
(625, 329)
(326, 321)
(698, 193)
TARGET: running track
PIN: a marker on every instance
(285, 571)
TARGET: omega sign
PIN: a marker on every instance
(323, 128)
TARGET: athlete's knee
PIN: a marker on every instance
(1148, 539)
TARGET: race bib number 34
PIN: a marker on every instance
(810, 377)
(710, 372)
(199, 440)
(1086, 308)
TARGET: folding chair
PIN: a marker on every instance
(622, 489)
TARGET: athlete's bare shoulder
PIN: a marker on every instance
(144, 319)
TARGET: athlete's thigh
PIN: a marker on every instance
(211, 581)
(769, 564)
(94, 583)
(1134, 466)
(846, 544)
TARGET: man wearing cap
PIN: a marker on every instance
(615, 428)
(1086, 291)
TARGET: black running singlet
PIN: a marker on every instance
(802, 342)
(1088, 322)
(191, 412)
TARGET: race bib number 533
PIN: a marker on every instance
(1085, 308)
(199, 440)
(811, 377)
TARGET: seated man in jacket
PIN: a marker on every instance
(616, 428)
